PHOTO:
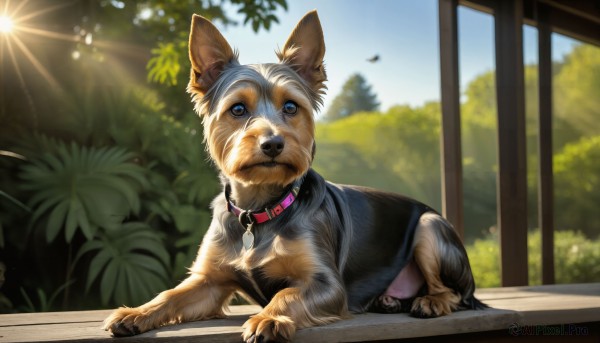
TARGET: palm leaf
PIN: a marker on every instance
(80, 189)
(130, 261)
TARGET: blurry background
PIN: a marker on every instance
(105, 186)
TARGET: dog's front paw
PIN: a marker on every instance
(264, 328)
(431, 306)
(127, 322)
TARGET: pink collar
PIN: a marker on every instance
(248, 217)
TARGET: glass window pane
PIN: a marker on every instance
(576, 129)
(393, 146)
(479, 143)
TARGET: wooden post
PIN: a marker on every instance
(451, 154)
(546, 187)
(512, 163)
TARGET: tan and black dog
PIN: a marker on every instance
(309, 251)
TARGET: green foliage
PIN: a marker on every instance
(116, 174)
(259, 13)
(356, 96)
(576, 258)
(576, 184)
(45, 303)
(484, 257)
(83, 189)
(397, 150)
(164, 65)
(16, 203)
(576, 89)
(132, 262)
(478, 122)
(168, 59)
(192, 223)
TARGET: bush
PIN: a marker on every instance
(576, 259)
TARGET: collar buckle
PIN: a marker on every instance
(246, 218)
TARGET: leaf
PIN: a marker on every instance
(98, 263)
(72, 215)
(129, 256)
(148, 263)
(109, 277)
(15, 201)
(30, 306)
(87, 247)
(83, 188)
(55, 221)
(163, 67)
(153, 246)
(57, 292)
(87, 229)
(44, 305)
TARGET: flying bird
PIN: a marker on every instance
(373, 59)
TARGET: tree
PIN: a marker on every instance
(397, 150)
(577, 180)
(576, 90)
(356, 96)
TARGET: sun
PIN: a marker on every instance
(6, 24)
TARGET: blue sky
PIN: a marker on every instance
(403, 32)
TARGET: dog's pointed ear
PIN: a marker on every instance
(209, 54)
(304, 50)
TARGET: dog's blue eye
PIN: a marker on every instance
(290, 107)
(238, 110)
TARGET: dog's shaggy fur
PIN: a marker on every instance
(332, 251)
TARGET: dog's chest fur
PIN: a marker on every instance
(274, 264)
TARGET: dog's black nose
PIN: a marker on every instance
(272, 146)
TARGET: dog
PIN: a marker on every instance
(308, 251)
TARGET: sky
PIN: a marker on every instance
(404, 33)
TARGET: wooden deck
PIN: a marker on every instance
(526, 311)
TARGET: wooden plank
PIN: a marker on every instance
(451, 151)
(485, 6)
(364, 327)
(548, 304)
(545, 173)
(539, 305)
(578, 289)
(88, 316)
(512, 163)
(372, 326)
(53, 318)
(589, 10)
(578, 19)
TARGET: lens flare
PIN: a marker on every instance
(6, 24)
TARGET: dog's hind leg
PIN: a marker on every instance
(444, 264)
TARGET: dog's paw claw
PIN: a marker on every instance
(120, 329)
(263, 328)
(432, 306)
(125, 322)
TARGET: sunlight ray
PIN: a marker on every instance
(49, 34)
(15, 64)
(44, 11)
(23, 84)
(123, 48)
(36, 63)
(15, 12)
